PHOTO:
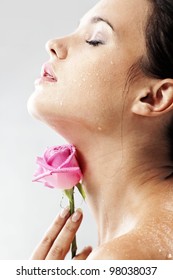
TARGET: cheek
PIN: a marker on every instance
(90, 95)
(99, 85)
(96, 95)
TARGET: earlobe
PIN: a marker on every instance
(157, 101)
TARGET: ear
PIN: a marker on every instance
(156, 100)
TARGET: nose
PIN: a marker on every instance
(57, 48)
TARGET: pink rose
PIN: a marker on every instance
(58, 168)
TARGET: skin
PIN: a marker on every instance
(127, 170)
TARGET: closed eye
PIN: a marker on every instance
(94, 43)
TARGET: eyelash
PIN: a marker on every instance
(94, 43)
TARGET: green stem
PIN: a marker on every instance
(72, 210)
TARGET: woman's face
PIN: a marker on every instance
(91, 66)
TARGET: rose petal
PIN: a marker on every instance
(58, 168)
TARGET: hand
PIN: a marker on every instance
(56, 242)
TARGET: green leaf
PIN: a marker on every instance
(81, 190)
(69, 194)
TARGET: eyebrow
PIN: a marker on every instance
(99, 19)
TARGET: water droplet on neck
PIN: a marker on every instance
(169, 256)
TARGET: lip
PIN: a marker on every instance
(47, 74)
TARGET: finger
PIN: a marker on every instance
(63, 241)
(48, 239)
(84, 254)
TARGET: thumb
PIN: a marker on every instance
(84, 254)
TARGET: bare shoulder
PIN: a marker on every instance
(153, 240)
(127, 247)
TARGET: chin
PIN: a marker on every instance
(33, 107)
(30, 107)
(66, 120)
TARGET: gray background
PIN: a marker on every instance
(27, 209)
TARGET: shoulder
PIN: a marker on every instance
(153, 240)
(127, 247)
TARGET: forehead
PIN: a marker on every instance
(126, 16)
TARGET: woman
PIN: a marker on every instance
(108, 89)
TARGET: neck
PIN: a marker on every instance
(117, 180)
(120, 174)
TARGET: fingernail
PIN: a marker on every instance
(89, 248)
(65, 212)
(77, 215)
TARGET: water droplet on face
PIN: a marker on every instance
(160, 250)
(169, 256)
(61, 103)
(99, 128)
(112, 62)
